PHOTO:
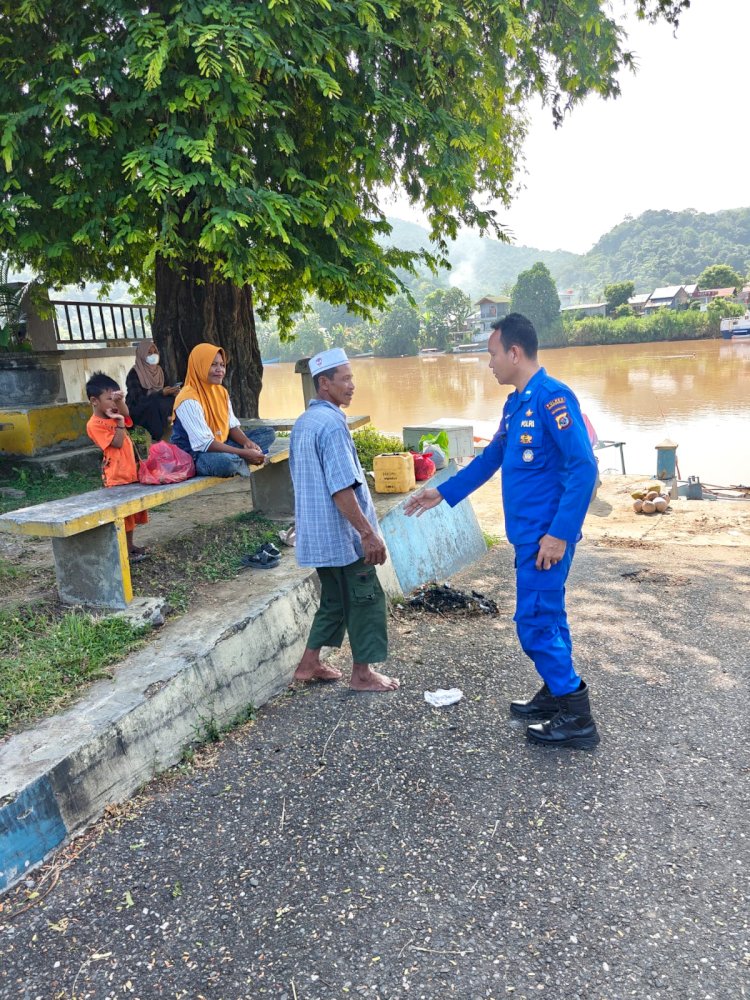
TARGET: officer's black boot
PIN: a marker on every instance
(573, 725)
(542, 706)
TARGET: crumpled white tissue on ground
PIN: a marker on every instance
(443, 697)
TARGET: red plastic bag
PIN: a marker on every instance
(165, 463)
(424, 467)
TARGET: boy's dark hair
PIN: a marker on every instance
(518, 331)
(319, 375)
(99, 383)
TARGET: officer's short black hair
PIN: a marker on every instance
(319, 375)
(518, 331)
(99, 383)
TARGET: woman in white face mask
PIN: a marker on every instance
(148, 398)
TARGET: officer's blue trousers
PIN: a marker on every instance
(541, 621)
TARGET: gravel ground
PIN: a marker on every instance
(368, 845)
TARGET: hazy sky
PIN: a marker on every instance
(672, 140)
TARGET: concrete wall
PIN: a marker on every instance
(435, 545)
(79, 364)
(34, 430)
(238, 650)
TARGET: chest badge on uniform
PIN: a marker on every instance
(528, 455)
(529, 413)
(526, 439)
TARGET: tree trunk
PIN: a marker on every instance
(193, 308)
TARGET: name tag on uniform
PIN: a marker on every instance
(527, 423)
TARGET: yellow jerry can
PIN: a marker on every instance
(394, 472)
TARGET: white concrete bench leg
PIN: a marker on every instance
(93, 568)
(272, 490)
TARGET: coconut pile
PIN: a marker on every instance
(650, 499)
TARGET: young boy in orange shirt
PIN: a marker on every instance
(106, 428)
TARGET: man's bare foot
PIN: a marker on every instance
(310, 668)
(364, 678)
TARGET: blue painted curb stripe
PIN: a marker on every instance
(30, 827)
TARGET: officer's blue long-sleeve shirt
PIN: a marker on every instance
(548, 465)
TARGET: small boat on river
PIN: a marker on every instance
(736, 327)
(469, 349)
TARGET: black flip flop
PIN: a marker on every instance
(260, 560)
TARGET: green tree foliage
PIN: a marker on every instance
(663, 248)
(398, 332)
(719, 308)
(719, 276)
(664, 324)
(232, 152)
(535, 295)
(618, 293)
(446, 312)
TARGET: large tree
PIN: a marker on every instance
(446, 311)
(719, 276)
(618, 293)
(398, 331)
(535, 295)
(232, 152)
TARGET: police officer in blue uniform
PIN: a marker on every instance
(548, 474)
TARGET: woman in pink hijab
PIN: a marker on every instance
(149, 399)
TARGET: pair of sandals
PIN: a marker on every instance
(267, 557)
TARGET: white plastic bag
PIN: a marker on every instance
(443, 697)
(437, 453)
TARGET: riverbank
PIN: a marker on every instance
(345, 845)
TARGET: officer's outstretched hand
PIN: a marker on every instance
(551, 551)
(426, 499)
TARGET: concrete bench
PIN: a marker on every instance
(88, 530)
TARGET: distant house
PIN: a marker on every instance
(706, 295)
(491, 308)
(638, 302)
(669, 297)
(586, 309)
(744, 294)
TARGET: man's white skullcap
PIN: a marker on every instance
(326, 360)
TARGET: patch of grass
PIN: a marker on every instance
(491, 540)
(370, 443)
(209, 731)
(8, 571)
(209, 553)
(46, 658)
(14, 578)
(179, 598)
(40, 486)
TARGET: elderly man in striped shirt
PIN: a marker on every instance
(337, 532)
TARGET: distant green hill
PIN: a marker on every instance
(657, 248)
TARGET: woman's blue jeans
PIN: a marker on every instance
(224, 465)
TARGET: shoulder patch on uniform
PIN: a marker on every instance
(554, 403)
(562, 420)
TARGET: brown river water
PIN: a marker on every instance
(695, 392)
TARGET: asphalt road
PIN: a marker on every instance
(370, 846)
